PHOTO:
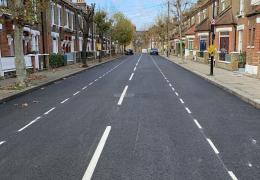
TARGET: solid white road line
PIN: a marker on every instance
(131, 77)
(48, 112)
(181, 101)
(122, 96)
(232, 175)
(188, 110)
(213, 146)
(76, 93)
(2, 142)
(64, 101)
(94, 160)
(197, 123)
(32, 122)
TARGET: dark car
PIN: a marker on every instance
(154, 51)
(129, 52)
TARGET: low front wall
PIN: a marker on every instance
(231, 66)
(7, 64)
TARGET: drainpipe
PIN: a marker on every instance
(235, 47)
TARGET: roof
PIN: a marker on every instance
(191, 30)
(226, 18)
(203, 26)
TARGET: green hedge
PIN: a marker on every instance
(57, 60)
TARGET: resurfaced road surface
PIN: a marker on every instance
(139, 117)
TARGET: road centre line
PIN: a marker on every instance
(90, 83)
(122, 96)
(173, 88)
(212, 146)
(232, 175)
(94, 160)
(135, 69)
(84, 87)
(197, 123)
(131, 77)
(2, 142)
(181, 100)
(48, 112)
(188, 110)
(29, 124)
(170, 85)
(64, 101)
(177, 94)
(76, 93)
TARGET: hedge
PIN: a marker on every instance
(57, 60)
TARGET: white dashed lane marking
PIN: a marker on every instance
(181, 101)
(32, 122)
(94, 160)
(122, 96)
(232, 175)
(197, 123)
(64, 101)
(188, 110)
(213, 146)
(76, 93)
(2, 142)
(48, 112)
(131, 77)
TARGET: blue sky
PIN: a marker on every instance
(141, 12)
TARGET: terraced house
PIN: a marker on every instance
(237, 34)
(58, 31)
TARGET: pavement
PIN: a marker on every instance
(140, 117)
(242, 85)
(8, 90)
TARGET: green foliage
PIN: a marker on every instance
(57, 60)
(123, 29)
(103, 24)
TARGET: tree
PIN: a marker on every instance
(87, 15)
(180, 6)
(23, 13)
(123, 30)
(103, 25)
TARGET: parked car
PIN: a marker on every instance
(129, 52)
(154, 51)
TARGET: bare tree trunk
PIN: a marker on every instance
(84, 52)
(19, 56)
(179, 12)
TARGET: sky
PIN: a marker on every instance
(142, 13)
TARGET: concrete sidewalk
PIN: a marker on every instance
(245, 87)
(36, 80)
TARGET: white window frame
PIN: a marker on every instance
(241, 7)
(52, 14)
(3, 3)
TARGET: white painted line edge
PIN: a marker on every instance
(197, 123)
(122, 96)
(170, 85)
(173, 88)
(84, 87)
(213, 146)
(131, 77)
(49, 111)
(29, 124)
(177, 94)
(64, 101)
(188, 110)
(135, 69)
(76, 93)
(232, 175)
(181, 101)
(94, 160)
(2, 142)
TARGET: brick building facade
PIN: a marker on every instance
(237, 30)
(57, 32)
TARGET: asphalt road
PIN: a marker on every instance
(140, 117)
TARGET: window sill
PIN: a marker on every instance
(226, 62)
(250, 47)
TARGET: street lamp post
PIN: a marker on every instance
(213, 38)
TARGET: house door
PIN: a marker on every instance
(224, 47)
(240, 41)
